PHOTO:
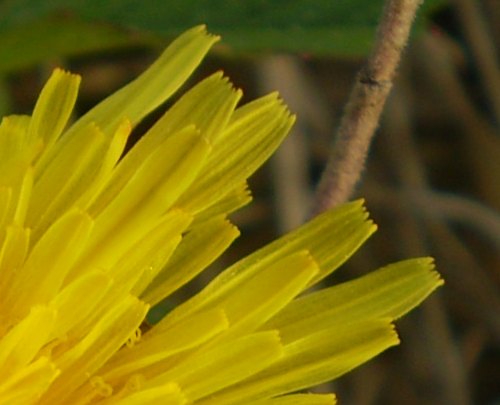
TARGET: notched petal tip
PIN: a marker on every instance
(428, 264)
(439, 280)
(276, 335)
(202, 29)
(232, 227)
(394, 334)
(274, 95)
(359, 202)
(60, 72)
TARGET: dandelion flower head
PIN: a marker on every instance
(91, 238)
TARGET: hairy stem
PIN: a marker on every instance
(365, 105)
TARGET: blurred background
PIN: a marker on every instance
(432, 180)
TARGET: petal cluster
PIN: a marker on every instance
(91, 238)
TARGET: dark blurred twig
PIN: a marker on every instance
(365, 104)
(451, 208)
(444, 363)
(483, 50)
(455, 208)
(433, 58)
(464, 276)
(291, 161)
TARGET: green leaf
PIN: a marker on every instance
(24, 45)
(34, 30)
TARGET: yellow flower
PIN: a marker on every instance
(91, 239)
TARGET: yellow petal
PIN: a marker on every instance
(148, 91)
(15, 152)
(16, 172)
(12, 256)
(199, 248)
(109, 333)
(78, 300)
(167, 394)
(137, 208)
(152, 87)
(238, 152)
(12, 141)
(59, 184)
(157, 347)
(157, 248)
(26, 386)
(209, 371)
(207, 106)
(317, 358)
(331, 238)
(138, 265)
(22, 195)
(104, 163)
(5, 201)
(46, 267)
(261, 297)
(53, 108)
(22, 343)
(76, 174)
(387, 293)
(232, 201)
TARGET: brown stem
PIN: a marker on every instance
(365, 105)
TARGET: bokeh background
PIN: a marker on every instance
(432, 180)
